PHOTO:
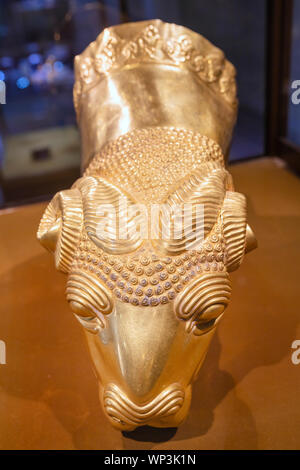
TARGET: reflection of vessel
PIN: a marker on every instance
(156, 104)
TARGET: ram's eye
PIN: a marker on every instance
(80, 309)
(212, 312)
(89, 300)
(86, 317)
(208, 319)
(203, 302)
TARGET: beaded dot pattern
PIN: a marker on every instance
(148, 163)
(146, 279)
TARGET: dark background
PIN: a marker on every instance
(39, 143)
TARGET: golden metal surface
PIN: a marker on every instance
(156, 106)
(151, 74)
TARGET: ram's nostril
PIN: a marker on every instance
(126, 413)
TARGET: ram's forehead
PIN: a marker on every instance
(146, 277)
(148, 163)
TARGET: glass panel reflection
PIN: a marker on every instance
(294, 103)
(39, 142)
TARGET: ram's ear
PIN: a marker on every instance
(206, 189)
(110, 219)
(239, 237)
(60, 227)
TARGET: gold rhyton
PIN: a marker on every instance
(148, 235)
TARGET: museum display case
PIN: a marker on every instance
(149, 327)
